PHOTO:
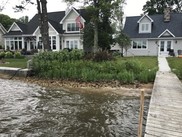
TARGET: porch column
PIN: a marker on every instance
(23, 42)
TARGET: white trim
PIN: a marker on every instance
(49, 24)
(61, 22)
(143, 17)
(165, 32)
(33, 34)
(145, 31)
(3, 29)
(139, 40)
(53, 28)
(16, 26)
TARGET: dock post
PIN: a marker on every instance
(141, 113)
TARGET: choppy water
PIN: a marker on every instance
(28, 110)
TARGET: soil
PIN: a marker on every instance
(131, 90)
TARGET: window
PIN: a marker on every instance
(145, 28)
(72, 27)
(54, 42)
(14, 43)
(168, 45)
(72, 44)
(139, 45)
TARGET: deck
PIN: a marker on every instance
(165, 110)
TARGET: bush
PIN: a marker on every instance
(2, 55)
(69, 65)
(102, 56)
(18, 55)
(9, 54)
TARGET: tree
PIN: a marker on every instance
(123, 41)
(101, 13)
(24, 19)
(43, 19)
(157, 6)
(6, 21)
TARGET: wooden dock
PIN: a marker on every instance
(165, 110)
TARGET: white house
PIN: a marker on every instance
(2, 32)
(64, 32)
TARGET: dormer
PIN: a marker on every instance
(145, 24)
(72, 21)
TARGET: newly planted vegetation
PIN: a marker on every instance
(175, 65)
(73, 66)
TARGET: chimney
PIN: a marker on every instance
(167, 15)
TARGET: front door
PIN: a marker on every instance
(165, 47)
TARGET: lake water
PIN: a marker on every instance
(27, 110)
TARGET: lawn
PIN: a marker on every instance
(147, 61)
(17, 63)
(176, 66)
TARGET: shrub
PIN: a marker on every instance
(9, 54)
(18, 55)
(2, 55)
(102, 56)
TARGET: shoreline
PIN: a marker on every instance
(128, 90)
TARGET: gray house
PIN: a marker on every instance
(154, 35)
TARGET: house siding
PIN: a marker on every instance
(151, 50)
(177, 46)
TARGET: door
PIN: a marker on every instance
(165, 47)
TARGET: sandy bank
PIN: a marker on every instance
(132, 90)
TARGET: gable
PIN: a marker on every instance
(166, 33)
(52, 31)
(145, 18)
(14, 27)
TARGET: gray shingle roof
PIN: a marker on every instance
(158, 26)
(54, 19)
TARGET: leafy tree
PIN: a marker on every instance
(157, 6)
(6, 21)
(124, 42)
(101, 13)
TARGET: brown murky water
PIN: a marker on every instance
(27, 110)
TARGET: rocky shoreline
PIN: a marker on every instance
(132, 90)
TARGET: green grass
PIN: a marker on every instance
(147, 61)
(17, 63)
(176, 66)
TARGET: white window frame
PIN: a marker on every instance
(145, 27)
(72, 44)
(140, 43)
(71, 30)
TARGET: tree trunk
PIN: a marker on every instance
(96, 27)
(95, 36)
(43, 23)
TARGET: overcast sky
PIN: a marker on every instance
(132, 7)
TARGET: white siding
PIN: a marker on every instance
(70, 18)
